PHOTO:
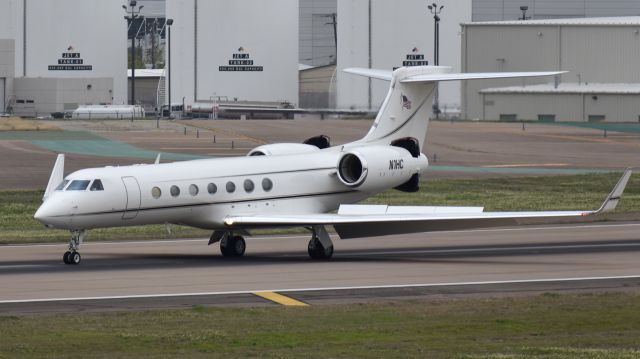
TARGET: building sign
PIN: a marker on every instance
(415, 58)
(241, 61)
(70, 61)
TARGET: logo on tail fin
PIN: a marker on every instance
(405, 102)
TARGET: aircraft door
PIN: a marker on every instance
(134, 197)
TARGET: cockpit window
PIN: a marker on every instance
(62, 185)
(96, 186)
(78, 185)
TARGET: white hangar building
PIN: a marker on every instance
(242, 49)
(58, 54)
(601, 55)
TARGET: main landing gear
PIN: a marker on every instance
(320, 246)
(230, 245)
(72, 256)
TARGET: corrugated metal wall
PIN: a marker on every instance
(501, 48)
(601, 53)
(492, 10)
(591, 54)
(565, 107)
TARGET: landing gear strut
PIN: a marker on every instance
(72, 256)
(232, 246)
(320, 246)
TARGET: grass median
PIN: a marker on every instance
(495, 194)
(543, 326)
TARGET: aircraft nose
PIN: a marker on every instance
(45, 213)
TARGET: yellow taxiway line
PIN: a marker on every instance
(281, 299)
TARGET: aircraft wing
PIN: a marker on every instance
(354, 221)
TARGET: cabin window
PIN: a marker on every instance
(96, 186)
(62, 185)
(156, 192)
(231, 187)
(267, 185)
(212, 188)
(249, 186)
(78, 185)
(175, 191)
(194, 190)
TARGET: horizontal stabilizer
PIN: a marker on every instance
(386, 75)
(478, 76)
(439, 73)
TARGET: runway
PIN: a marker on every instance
(183, 273)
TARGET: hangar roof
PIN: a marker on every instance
(592, 21)
(569, 88)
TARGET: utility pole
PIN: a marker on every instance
(130, 17)
(153, 43)
(435, 11)
(370, 55)
(168, 24)
(334, 22)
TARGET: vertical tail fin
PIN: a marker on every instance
(406, 110)
(407, 107)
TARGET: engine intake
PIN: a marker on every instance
(352, 170)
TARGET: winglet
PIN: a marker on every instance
(614, 197)
(57, 175)
(158, 159)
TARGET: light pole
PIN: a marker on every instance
(435, 11)
(169, 23)
(130, 17)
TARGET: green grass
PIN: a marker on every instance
(535, 193)
(496, 194)
(545, 326)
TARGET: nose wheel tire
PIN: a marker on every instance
(233, 246)
(317, 251)
(73, 258)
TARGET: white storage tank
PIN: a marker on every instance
(108, 112)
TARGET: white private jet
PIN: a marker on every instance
(287, 185)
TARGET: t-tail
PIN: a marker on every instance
(405, 112)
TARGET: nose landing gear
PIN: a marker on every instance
(72, 256)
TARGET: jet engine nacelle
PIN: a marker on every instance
(280, 149)
(375, 168)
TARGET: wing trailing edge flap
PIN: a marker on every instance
(355, 221)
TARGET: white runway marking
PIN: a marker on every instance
(170, 295)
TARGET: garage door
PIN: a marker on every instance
(2, 89)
